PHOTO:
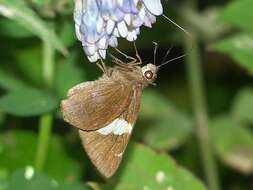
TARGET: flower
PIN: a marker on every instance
(99, 23)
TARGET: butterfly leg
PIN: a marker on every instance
(116, 60)
(120, 63)
(133, 61)
(126, 56)
(138, 61)
(102, 66)
(137, 55)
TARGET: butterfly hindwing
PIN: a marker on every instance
(106, 146)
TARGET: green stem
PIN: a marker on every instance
(48, 63)
(195, 76)
(45, 125)
(201, 116)
(46, 120)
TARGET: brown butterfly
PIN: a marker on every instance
(106, 110)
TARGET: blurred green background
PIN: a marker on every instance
(194, 131)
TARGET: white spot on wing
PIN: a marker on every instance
(119, 155)
(117, 127)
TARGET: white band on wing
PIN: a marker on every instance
(117, 127)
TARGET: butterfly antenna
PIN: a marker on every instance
(167, 53)
(155, 50)
(184, 31)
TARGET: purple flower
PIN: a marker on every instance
(99, 23)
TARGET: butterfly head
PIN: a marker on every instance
(149, 73)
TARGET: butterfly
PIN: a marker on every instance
(105, 110)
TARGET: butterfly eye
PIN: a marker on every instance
(148, 75)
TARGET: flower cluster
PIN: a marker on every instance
(99, 23)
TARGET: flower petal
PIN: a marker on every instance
(113, 42)
(120, 3)
(102, 43)
(154, 6)
(116, 32)
(147, 22)
(122, 29)
(110, 26)
(117, 15)
(78, 33)
(137, 22)
(142, 13)
(102, 53)
(132, 36)
(94, 57)
(98, 23)
(90, 49)
(128, 19)
(151, 17)
(126, 7)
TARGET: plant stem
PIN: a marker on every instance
(195, 77)
(46, 120)
(45, 125)
(198, 98)
(48, 63)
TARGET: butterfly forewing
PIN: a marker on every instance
(93, 105)
(106, 146)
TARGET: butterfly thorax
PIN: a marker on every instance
(143, 76)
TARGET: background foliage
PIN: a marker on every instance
(41, 59)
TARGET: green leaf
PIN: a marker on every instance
(145, 169)
(151, 98)
(2, 119)
(239, 13)
(28, 179)
(64, 7)
(4, 175)
(243, 104)
(60, 164)
(27, 102)
(12, 29)
(168, 132)
(18, 11)
(28, 61)
(166, 128)
(240, 48)
(67, 76)
(10, 82)
(73, 186)
(67, 34)
(233, 143)
(19, 148)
